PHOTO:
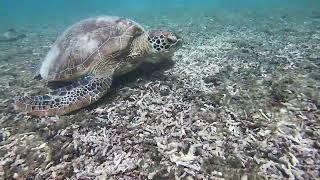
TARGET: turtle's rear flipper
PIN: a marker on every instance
(61, 101)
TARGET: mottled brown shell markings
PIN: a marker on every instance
(89, 42)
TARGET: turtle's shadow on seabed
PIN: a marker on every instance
(145, 71)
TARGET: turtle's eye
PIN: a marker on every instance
(172, 39)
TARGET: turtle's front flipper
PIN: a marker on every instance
(66, 99)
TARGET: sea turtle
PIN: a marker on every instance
(90, 54)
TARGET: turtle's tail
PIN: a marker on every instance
(64, 100)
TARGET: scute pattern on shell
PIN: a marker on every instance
(86, 43)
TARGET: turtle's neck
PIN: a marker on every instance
(139, 47)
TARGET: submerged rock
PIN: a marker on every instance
(11, 35)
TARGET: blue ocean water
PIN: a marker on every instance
(245, 70)
(38, 11)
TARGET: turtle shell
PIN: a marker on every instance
(86, 43)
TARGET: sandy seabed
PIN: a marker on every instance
(241, 101)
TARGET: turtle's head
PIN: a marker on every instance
(163, 42)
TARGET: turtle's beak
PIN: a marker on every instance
(179, 42)
(174, 38)
(176, 41)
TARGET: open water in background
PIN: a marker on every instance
(15, 12)
(276, 43)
